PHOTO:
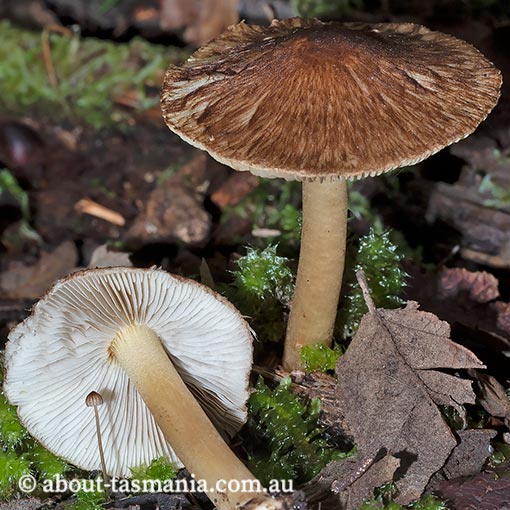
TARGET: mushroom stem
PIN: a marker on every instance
(320, 270)
(185, 425)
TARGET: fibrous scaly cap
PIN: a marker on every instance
(302, 99)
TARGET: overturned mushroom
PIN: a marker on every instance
(154, 346)
(322, 103)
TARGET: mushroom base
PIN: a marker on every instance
(185, 425)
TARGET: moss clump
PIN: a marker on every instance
(12, 468)
(380, 259)
(12, 433)
(158, 469)
(88, 500)
(319, 357)
(261, 290)
(289, 442)
(91, 74)
(262, 274)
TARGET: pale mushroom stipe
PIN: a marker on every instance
(322, 103)
(152, 346)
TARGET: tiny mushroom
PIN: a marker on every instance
(155, 347)
(323, 103)
(95, 400)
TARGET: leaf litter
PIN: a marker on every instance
(390, 385)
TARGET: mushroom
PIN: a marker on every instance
(95, 400)
(153, 346)
(322, 103)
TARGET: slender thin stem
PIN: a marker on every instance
(320, 270)
(183, 422)
(94, 399)
(106, 479)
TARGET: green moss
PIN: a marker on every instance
(500, 454)
(12, 468)
(359, 207)
(91, 74)
(429, 503)
(289, 443)
(273, 205)
(261, 289)
(380, 259)
(319, 357)
(88, 500)
(262, 274)
(9, 185)
(324, 8)
(425, 503)
(158, 469)
(499, 195)
(46, 464)
(384, 500)
(12, 433)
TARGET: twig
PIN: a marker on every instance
(46, 50)
(87, 206)
(362, 280)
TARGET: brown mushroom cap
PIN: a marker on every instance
(303, 99)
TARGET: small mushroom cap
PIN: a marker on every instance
(60, 353)
(94, 399)
(303, 99)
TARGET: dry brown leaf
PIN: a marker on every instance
(389, 388)
(20, 281)
(203, 19)
(480, 286)
(470, 455)
(172, 211)
(380, 473)
(103, 256)
(177, 13)
(234, 189)
(485, 491)
(493, 396)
